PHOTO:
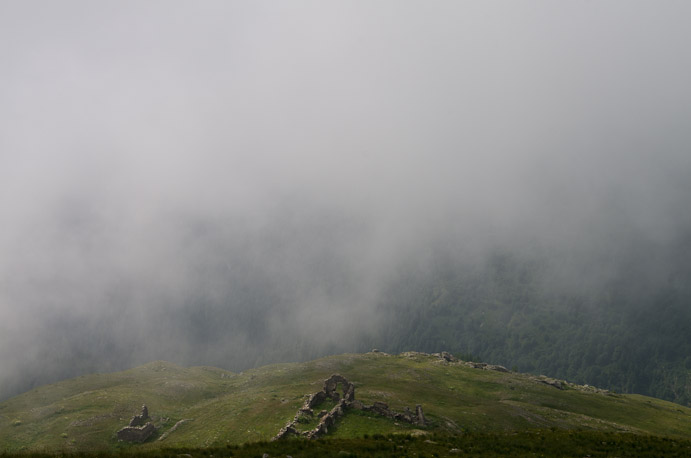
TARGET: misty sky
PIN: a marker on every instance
(155, 155)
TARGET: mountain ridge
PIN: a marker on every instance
(225, 408)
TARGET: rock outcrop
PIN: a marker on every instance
(446, 358)
(344, 402)
(139, 429)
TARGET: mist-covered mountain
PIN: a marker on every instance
(234, 184)
(627, 332)
(616, 322)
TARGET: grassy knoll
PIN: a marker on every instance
(226, 409)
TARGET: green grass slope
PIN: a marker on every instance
(224, 409)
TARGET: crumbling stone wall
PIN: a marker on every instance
(139, 429)
(331, 385)
(327, 419)
(140, 420)
(175, 426)
(381, 408)
(136, 433)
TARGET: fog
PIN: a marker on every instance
(238, 183)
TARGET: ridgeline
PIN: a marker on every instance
(209, 408)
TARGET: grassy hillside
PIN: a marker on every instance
(226, 409)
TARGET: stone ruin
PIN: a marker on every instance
(139, 429)
(140, 420)
(347, 401)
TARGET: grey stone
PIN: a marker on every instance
(420, 416)
(448, 356)
(139, 420)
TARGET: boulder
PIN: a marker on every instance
(448, 357)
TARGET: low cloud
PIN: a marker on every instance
(236, 184)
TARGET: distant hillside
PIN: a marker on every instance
(222, 408)
(619, 321)
(626, 331)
